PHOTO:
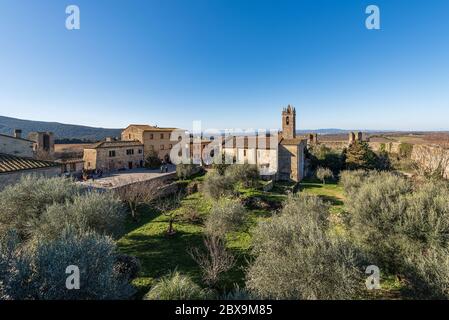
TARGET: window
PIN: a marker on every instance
(287, 121)
(140, 150)
(151, 136)
(112, 153)
(88, 164)
(162, 147)
(130, 152)
(129, 136)
(162, 136)
(244, 153)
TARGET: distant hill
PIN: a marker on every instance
(61, 131)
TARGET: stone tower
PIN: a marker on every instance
(44, 144)
(289, 123)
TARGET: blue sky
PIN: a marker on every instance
(228, 63)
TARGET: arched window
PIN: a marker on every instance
(287, 121)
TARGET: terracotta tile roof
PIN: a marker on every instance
(146, 127)
(115, 144)
(10, 163)
(294, 141)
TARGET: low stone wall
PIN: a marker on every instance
(390, 147)
(13, 177)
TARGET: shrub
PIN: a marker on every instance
(43, 270)
(296, 259)
(214, 261)
(376, 209)
(247, 174)
(127, 266)
(226, 215)
(92, 211)
(26, 200)
(323, 174)
(429, 273)
(152, 160)
(237, 294)
(185, 171)
(426, 219)
(352, 180)
(216, 186)
(175, 286)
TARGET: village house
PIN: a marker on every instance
(16, 145)
(153, 138)
(111, 155)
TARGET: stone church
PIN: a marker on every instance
(282, 159)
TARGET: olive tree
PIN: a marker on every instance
(25, 201)
(226, 215)
(297, 259)
(216, 186)
(323, 174)
(93, 211)
(40, 273)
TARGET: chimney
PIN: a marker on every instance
(17, 133)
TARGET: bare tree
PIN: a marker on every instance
(167, 206)
(214, 261)
(136, 194)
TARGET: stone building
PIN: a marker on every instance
(153, 138)
(13, 167)
(282, 159)
(16, 145)
(111, 155)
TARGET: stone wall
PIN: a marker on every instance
(16, 147)
(165, 185)
(13, 177)
(432, 158)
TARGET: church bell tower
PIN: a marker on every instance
(289, 123)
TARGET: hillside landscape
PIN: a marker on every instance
(61, 131)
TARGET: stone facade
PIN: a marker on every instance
(289, 123)
(16, 146)
(114, 155)
(153, 139)
(291, 160)
(282, 160)
(44, 144)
